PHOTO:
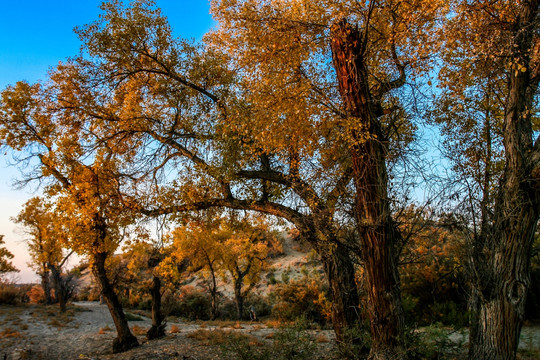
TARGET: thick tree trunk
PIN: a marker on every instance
(377, 233)
(46, 286)
(59, 289)
(125, 339)
(158, 325)
(238, 299)
(502, 265)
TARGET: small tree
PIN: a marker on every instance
(5, 255)
(244, 256)
(44, 240)
(198, 241)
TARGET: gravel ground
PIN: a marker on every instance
(87, 332)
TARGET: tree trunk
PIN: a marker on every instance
(340, 272)
(238, 298)
(158, 325)
(502, 266)
(46, 286)
(59, 289)
(125, 339)
(377, 233)
(213, 294)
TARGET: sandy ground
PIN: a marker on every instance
(88, 332)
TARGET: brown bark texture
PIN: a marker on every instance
(59, 288)
(340, 272)
(125, 339)
(377, 232)
(501, 270)
(157, 330)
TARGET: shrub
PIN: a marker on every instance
(36, 295)
(301, 298)
(192, 304)
(11, 294)
(434, 342)
(288, 343)
(356, 342)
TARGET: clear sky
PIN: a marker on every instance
(34, 36)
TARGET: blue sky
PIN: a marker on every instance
(37, 34)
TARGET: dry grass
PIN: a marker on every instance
(273, 324)
(103, 330)
(10, 333)
(220, 337)
(210, 337)
(321, 338)
(138, 330)
(174, 329)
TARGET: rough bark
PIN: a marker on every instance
(238, 298)
(502, 264)
(125, 339)
(377, 232)
(340, 272)
(46, 286)
(59, 288)
(213, 293)
(157, 330)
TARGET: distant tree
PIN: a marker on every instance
(5, 255)
(200, 242)
(246, 247)
(45, 240)
(38, 125)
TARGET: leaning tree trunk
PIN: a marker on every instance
(377, 232)
(158, 325)
(125, 339)
(502, 268)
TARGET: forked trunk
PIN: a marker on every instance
(158, 325)
(377, 233)
(125, 339)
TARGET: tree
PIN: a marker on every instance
(145, 258)
(45, 242)
(199, 242)
(244, 254)
(174, 100)
(5, 265)
(39, 126)
(296, 88)
(494, 47)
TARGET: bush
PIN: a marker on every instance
(356, 342)
(191, 304)
(36, 295)
(289, 343)
(304, 298)
(433, 343)
(10, 294)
